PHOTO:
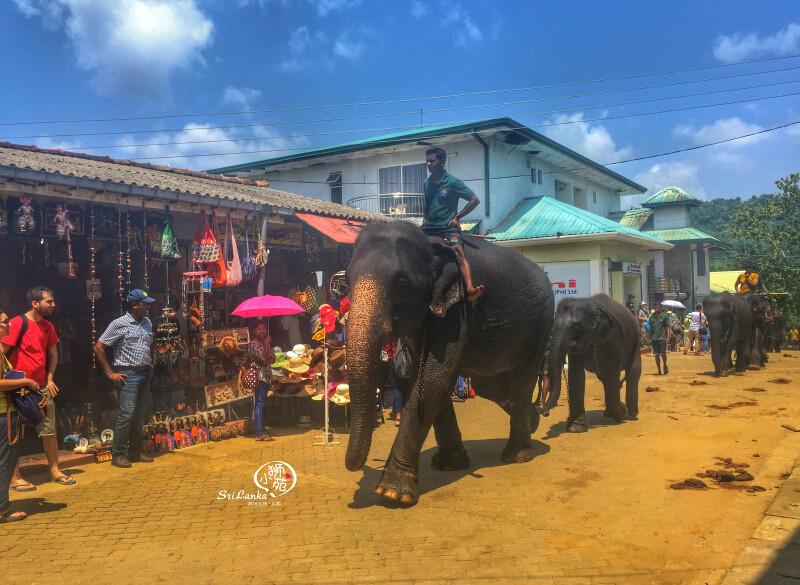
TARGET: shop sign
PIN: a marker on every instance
(569, 279)
(631, 268)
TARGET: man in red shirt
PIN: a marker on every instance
(36, 354)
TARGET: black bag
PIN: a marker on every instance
(32, 407)
(403, 367)
(703, 331)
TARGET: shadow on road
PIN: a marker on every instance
(483, 454)
(594, 418)
(33, 506)
(785, 569)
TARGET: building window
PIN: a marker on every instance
(402, 179)
(533, 176)
(594, 196)
(540, 176)
(701, 262)
(334, 181)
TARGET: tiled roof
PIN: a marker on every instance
(670, 196)
(685, 235)
(164, 177)
(542, 217)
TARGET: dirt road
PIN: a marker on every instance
(595, 507)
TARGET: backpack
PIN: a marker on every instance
(31, 407)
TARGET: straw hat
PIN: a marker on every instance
(299, 349)
(306, 391)
(343, 389)
(229, 346)
(296, 366)
(340, 399)
(337, 359)
(304, 421)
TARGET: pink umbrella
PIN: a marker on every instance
(267, 306)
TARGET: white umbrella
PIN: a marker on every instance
(676, 304)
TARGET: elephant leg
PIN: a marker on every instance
(576, 381)
(632, 376)
(451, 454)
(615, 408)
(521, 383)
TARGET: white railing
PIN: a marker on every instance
(397, 205)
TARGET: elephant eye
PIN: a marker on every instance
(403, 285)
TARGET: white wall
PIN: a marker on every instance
(673, 217)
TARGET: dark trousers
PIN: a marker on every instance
(8, 457)
(134, 404)
(260, 397)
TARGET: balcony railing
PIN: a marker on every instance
(397, 205)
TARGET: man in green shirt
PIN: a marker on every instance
(659, 335)
(442, 192)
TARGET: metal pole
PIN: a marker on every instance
(262, 272)
(327, 406)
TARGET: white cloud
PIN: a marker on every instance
(301, 41)
(226, 144)
(667, 174)
(458, 19)
(418, 9)
(794, 131)
(739, 47)
(130, 47)
(722, 130)
(242, 97)
(348, 49)
(324, 7)
(592, 141)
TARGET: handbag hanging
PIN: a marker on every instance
(262, 254)
(234, 267)
(249, 268)
(208, 244)
(31, 407)
(169, 245)
(217, 270)
(248, 377)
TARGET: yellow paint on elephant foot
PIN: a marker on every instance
(407, 500)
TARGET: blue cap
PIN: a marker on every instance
(138, 294)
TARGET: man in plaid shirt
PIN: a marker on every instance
(130, 337)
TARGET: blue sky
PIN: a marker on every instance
(162, 59)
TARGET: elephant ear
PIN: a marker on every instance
(447, 289)
(603, 323)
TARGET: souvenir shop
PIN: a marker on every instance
(199, 261)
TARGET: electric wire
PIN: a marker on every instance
(384, 115)
(407, 100)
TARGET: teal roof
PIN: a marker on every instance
(543, 217)
(430, 132)
(633, 218)
(685, 235)
(670, 196)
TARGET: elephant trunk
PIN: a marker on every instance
(555, 361)
(367, 327)
(718, 349)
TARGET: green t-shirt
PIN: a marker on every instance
(658, 326)
(441, 198)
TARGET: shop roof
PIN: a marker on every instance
(724, 281)
(91, 168)
(670, 196)
(545, 217)
(507, 129)
(633, 218)
(685, 235)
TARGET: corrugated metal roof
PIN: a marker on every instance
(685, 235)
(635, 218)
(542, 217)
(670, 196)
(166, 178)
(724, 281)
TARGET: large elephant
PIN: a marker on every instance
(776, 332)
(404, 284)
(602, 336)
(762, 309)
(731, 322)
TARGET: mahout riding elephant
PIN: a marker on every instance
(405, 285)
(601, 336)
(731, 321)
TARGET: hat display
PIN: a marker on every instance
(337, 359)
(344, 306)
(343, 389)
(229, 346)
(299, 349)
(304, 421)
(296, 366)
(138, 294)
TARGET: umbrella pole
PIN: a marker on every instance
(327, 405)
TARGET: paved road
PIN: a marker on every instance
(590, 508)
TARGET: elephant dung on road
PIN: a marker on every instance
(599, 335)
(406, 285)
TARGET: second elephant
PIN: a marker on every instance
(601, 336)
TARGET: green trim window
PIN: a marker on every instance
(334, 181)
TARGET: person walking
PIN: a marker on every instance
(9, 421)
(696, 320)
(659, 335)
(130, 338)
(31, 347)
(643, 316)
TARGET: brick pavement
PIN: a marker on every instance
(589, 509)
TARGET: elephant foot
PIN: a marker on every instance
(616, 411)
(633, 414)
(399, 487)
(450, 461)
(535, 417)
(513, 454)
(578, 425)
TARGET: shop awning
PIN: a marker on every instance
(342, 230)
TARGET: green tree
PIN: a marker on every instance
(770, 236)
